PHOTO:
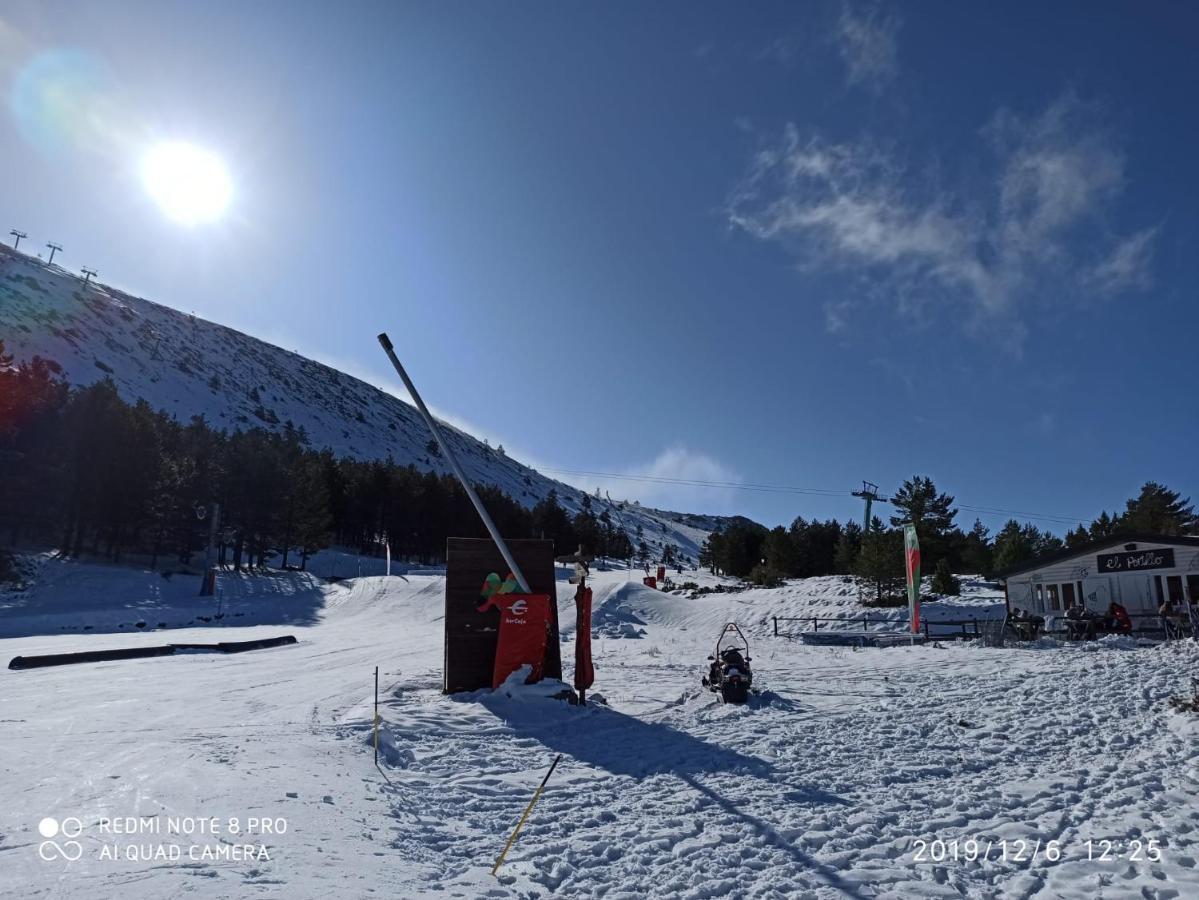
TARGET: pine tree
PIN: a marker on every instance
(943, 581)
(740, 548)
(1159, 510)
(782, 552)
(918, 502)
(976, 551)
(1104, 526)
(621, 547)
(607, 535)
(881, 563)
(551, 521)
(848, 546)
(1076, 537)
(1016, 544)
(587, 526)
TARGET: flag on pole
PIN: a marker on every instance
(911, 553)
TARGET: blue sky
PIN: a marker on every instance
(771, 243)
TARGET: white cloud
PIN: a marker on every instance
(994, 248)
(663, 482)
(866, 38)
(1128, 266)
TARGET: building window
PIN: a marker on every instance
(1051, 593)
(1157, 585)
(1067, 596)
(1193, 587)
(1174, 588)
(1039, 594)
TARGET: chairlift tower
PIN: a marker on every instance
(88, 274)
(54, 248)
(869, 493)
(18, 235)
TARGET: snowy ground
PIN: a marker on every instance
(822, 788)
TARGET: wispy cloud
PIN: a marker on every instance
(662, 482)
(1128, 266)
(1027, 233)
(866, 36)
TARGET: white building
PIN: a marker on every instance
(1138, 571)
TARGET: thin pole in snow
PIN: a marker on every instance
(54, 248)
(385, 341)
(528, 809)
(376, 721)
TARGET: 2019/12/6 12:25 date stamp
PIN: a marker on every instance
(980, 850)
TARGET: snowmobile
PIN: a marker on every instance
(730, 675)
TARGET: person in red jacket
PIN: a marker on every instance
(1118, 620)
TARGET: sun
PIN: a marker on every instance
(190, 184)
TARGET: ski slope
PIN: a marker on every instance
(819, 789)
(191, 367)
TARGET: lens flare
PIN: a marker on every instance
(63, 100)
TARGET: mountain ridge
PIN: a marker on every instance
(189, 366)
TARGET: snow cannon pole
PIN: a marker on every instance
(385, 341)
(528, 809)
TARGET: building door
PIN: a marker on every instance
(1097, 594)
(1136, 594)
(1020, 595)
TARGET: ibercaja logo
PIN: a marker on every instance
(59, 840)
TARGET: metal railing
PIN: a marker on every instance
(962, 629)
(969, 629)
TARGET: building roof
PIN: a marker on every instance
(1114, 540)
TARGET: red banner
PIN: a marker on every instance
(524, 625)
(584, 671)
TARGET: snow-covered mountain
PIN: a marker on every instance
(189, 366)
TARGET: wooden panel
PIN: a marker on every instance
(470, 636)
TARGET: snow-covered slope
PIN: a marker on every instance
(834, 784)
(190, 367)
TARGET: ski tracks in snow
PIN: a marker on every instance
(821, 789)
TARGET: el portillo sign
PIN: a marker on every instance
(1136, 561)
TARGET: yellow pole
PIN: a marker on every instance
(528, 809)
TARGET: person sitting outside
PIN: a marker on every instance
(1078, 625)
(1171, 621)
(1026, 625)
(1118, 619)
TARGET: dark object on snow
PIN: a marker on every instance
(730, 675)
(1081, 623)
(64, 659)
(1024, 626)
(472, 637)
